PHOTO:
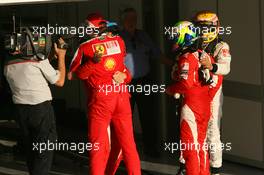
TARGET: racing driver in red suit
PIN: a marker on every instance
(195, 111)
(99, 62)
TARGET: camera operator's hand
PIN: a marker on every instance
(60, 53)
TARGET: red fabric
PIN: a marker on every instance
(197, 161)
(195, 113)
(100, 73)
(96, 19)
(114, 109)
(187, 65)
(115, 156)
(105, 109)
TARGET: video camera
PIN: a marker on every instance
(28, 44)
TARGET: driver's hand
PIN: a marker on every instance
(119, 77)
(206, 62)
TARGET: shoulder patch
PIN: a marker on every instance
(184, 71)
(220, 47)
(225, 52)
(107, 48)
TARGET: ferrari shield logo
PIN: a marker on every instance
(100, 48)
(107, 48)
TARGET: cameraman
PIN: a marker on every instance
(28, 80)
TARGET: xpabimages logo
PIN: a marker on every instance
(172, 31)
(146, 89)
(59, 146)
(81, 31)
(174, 147)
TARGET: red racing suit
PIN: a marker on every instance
(220, 59)
(195, 114)
(108, 104)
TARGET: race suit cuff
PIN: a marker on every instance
(128, 76)
(215, 67)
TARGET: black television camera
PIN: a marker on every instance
(29, 44)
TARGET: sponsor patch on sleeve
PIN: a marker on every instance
(184, 71)
(225, 52)
(107, 48)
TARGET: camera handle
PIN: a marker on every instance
(39, 56)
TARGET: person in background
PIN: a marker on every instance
(141, 50)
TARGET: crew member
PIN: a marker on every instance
(29, 80)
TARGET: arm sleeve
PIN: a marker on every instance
(83, 72)
(125, 69)
(222, 65)
(186, 77)
(128, 75)
(51, 75)
(77, 59)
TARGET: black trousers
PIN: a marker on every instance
(37, 124)
(147, 115)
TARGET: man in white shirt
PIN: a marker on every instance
(29, 82)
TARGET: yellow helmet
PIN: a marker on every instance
(208, 23)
